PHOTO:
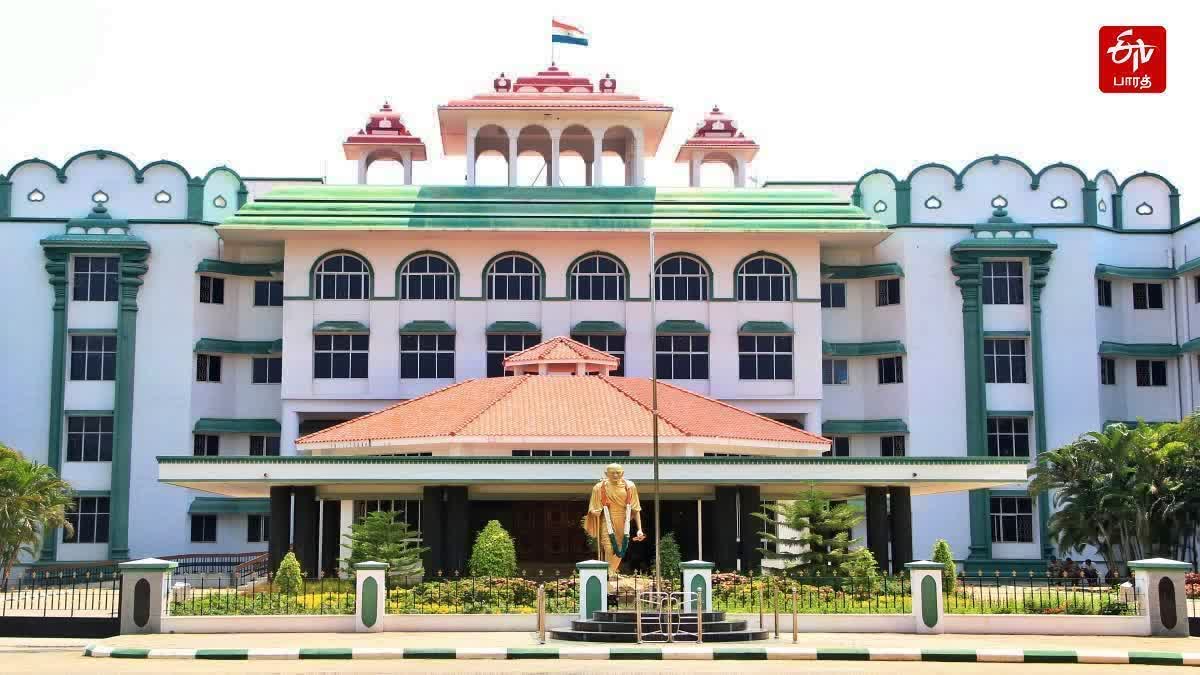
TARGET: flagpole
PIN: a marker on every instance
(654, 425)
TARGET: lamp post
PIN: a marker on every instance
(654, 415)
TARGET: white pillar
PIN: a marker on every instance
(345, 520)
(597, 157)
(697, 585)
(593, 587)
(370, 587)
(362, 170)
(406, 160)
(1160, 584)
(555, 141)
(739, 172)
(694, 170)
(928, 603)
(587, 173)
(144, 587)
(512, 157)
(471, 132)
(637, 158)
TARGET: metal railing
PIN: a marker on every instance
(217, 596)
(259, 566)
(1034, 593)
(660, 617)
(210, 563)
(749, 594)
(81, 594)
(482, 595)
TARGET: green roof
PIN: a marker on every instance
(1001, 244)
(1190, 346)
(236, 269)
(427, 327)
(233, 425)
(851, 349)
(361, 207)
(254, 347)
(597, 327)
(765, 327)
(1189, 266)
(1144, 350)
(229, 505)
(512, 327)
(341, 327)
(883, 426)
(1158, 273)
(861, 271)
(683, 327)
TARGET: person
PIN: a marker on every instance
(1090, 572)
(1054, 568)
(1070, 571)
(614, 503)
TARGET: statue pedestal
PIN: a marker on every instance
(593, 587)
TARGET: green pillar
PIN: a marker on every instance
(57, 263)
(133, 266)
(969, 272)
(1089, 203)
(1039, 265)
(903, 202)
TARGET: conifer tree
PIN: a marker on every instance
(820, 540)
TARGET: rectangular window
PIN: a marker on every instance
(94, 357)
(1008, 436)
(1151, 373)
(268, 294)
(89, 520)
(891, 370)
(887, 292)
(205, 445)
(681, 357)
(1104, 292)
(204, 528)
(1147, 296)
(258, 528)
(1003, 283)
(833, 294)
(212, 290)
(264, 446)
(208, 368)
(503, 345)
(835, 371)
(90, 438)
(1004, 361)
(840, 447)
(1012, 520)
(612, 344)
(1196, 288)
(765, 357)
(424, 357)
(267, 370)
(1108, 371)
(406, 510)
(95, 279)
(891, 446)
(340, 357)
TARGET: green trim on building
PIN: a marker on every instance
(238, 269)
(1013, 334)
(1010, 413)
(512, 328)
(91, 331)
(597, 328)
(312, 274)
(541, 270)
(222, 505)
(765, 328)
(604, 254)
(793, 278)
(341, 327)
(1190, 346)
(456, 276)
(238, 347)
(1192, 265)
(1150, 273)
(879, 426)
(236, 425)
(1139, 351)
(427, 327)
(1133, 424)
(681, 327)
(87, 413)
(861, 271)
(856, 349)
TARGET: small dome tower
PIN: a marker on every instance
(385, 137)
(717, 139)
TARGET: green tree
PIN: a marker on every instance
(863, 571)
(943, 554)
(380, 537)
(669, 557)
(820, 539)
(289, 580)
(33, 501)
(494, 554)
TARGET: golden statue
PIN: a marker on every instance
(613, 504)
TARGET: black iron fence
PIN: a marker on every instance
(748, 594)
(1034, 593)
(482, 594)
(62, 593)
(220, 596)
(210, 563)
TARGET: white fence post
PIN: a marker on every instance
(593, 588)
(1160, 582)
(697, 585)
(928, 603)
(144, 587)
(370, 589)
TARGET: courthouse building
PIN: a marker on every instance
(221, 364)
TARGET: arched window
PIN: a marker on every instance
(514, 277)
(427, 277)
(342, 276)
(597, 277)
(764, 278)
(680, 277)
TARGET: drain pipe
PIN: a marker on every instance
(1175, 330)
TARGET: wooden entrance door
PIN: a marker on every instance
(549, 531)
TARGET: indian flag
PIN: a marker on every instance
(567, 34)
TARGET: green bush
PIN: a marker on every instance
(863, 571)
(943, 554)
(669, 556)
(494, 554)
(288, 578)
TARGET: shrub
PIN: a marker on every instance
(668, 556)
(494, 554)
(863, 572)
(382, 538)
(943, 554)
(288, 578)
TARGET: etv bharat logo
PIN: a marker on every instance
(1133, 59)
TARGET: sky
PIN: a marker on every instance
(829, 90)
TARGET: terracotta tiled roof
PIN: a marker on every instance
(562, 348)
(562, 406)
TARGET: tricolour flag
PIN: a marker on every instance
(567, 34)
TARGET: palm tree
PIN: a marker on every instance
(33, 501)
